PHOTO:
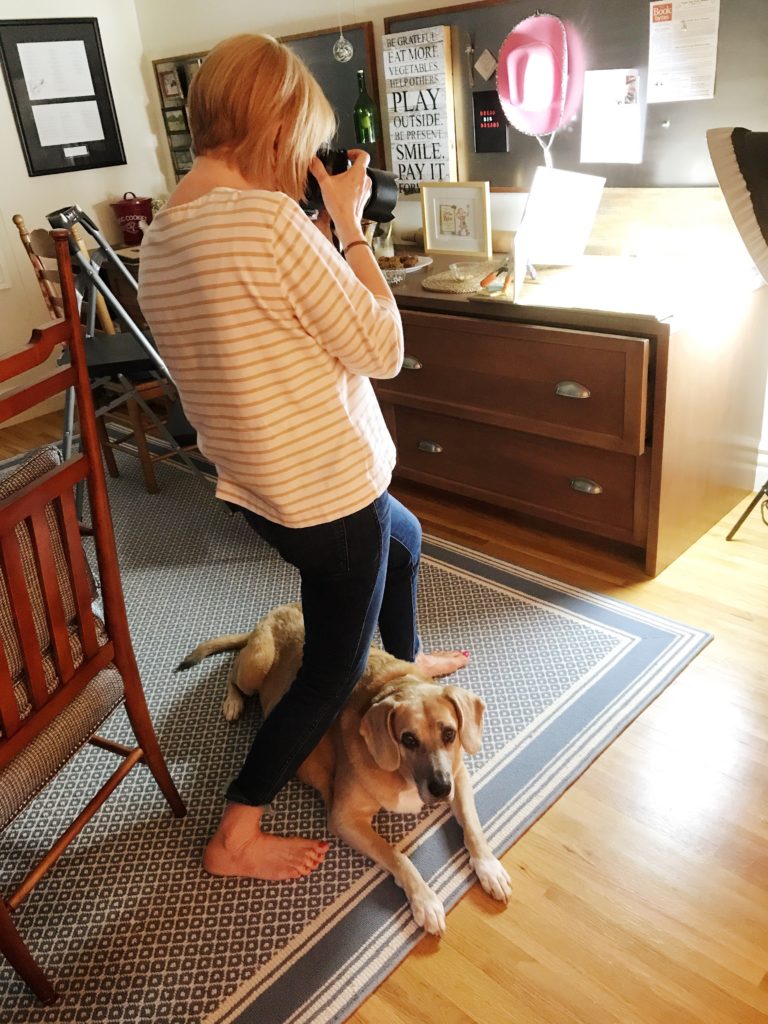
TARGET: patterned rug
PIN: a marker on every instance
(127, 924)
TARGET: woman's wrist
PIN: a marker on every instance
(363, 242)
(348, 230)
(346, 238)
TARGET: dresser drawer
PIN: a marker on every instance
(578, 386)
(584, 487)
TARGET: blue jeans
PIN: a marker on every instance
(355, 572)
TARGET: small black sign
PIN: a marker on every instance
(490, 124)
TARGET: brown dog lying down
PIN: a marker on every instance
(397, 744)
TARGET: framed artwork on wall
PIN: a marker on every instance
(60, 95)
(456, 216)
(182, 160)
(188, 71)
(170, 86)
(174, 77)
(175, 120)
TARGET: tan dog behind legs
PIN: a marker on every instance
(397, 744)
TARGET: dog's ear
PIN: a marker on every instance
(470, 709)
(376, 730)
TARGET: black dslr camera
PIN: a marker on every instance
(382, 199)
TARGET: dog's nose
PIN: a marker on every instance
(439, 785)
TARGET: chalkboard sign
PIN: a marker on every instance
(615, 35)
(339, 80)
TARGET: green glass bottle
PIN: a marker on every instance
(365, 113)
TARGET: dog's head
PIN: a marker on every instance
(421, 731)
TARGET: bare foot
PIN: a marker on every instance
(239, 847)
(441, 663)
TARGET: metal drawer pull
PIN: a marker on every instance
(430, 446)
(585, 486)
(572, 389)
(411, 363)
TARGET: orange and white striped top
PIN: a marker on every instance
(271, 339)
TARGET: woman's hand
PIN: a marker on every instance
(345, 195)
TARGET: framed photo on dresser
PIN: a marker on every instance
(456, 216)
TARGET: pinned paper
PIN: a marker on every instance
(612, 117)
(682, 54)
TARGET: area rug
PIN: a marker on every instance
(127, 924)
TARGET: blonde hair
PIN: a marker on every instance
(248, 87)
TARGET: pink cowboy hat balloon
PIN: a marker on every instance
(540, 77)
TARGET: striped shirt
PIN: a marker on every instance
(270, 339)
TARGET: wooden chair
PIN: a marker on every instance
(129, 394)
(62, 669)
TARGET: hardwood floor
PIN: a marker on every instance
(30, 434)
(641, 897)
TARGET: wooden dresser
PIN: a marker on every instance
(629, 427)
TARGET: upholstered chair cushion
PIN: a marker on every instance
(41, 759)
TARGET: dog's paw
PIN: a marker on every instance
(493, 877)
(233, 706)
(428, 912)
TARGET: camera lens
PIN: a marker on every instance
(382, 199)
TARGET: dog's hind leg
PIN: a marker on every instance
(248, 671)
(234, 702)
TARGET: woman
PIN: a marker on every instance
(271, 337)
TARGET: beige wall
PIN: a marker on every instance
(184, 26)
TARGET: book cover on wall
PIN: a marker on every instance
(491, 135)
(419, 84)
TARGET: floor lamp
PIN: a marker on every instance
(740, 159)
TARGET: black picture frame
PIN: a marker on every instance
(182, 160)
(65, 139)
(175, 120)
(171, 89)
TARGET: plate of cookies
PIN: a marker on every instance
(405, 263)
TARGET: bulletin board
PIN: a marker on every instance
(339, 81)
(615, 35)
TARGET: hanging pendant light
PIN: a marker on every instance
(343, 50)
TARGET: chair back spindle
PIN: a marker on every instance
(51, 296)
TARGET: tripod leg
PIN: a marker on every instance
(762, 493)
(69, 423)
